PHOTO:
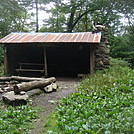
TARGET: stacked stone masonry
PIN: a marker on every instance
(102, 57)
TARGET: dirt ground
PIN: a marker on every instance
(46, 101)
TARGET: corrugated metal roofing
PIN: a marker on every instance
(83, 37)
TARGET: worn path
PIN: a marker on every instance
(46, 101)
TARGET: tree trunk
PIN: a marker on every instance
(37, 16)
(35, 84)
(71, 20)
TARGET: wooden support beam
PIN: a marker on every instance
(91, 60)
(45, 62)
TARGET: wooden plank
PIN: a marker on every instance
(45, 62)
(29, 70)
(31, 64)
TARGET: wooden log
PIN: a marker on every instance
(50, 88)
(35, 84)
(26, 79)
(5, 78)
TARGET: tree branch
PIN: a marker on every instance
(76, 21)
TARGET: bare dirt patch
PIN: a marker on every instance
(46, 101)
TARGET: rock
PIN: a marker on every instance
(12, 99)
(22, 92)
(52, 101)
(34, 92)
(50, 88)
(54, 86)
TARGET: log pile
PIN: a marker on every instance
(20, 86)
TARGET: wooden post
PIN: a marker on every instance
(45, 62)
(5, 60)
(91, 60)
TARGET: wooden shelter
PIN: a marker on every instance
(50, 54)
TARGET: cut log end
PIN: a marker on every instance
(50, 88)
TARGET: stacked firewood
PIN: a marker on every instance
(16, 90)
(19, 84)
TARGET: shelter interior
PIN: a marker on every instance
(60, 60)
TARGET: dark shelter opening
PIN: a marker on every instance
(61, 60)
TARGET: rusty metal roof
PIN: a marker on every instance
(83, 37)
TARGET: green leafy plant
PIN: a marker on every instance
(14, 120)
(119, 63)
(51, 126)
(104, 104)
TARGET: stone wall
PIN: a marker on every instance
(102, 57)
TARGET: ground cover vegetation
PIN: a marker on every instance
(103, 104)
(16, 120)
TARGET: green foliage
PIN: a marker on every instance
(55, 24)
(51, 126)
(123, 46)
(14, 120)
(104, 103)
(77, 15)
(13, 17)
(118, 62)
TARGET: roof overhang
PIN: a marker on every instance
(49, 38)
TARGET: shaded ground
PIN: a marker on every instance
(46, 102)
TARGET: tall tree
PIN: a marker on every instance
(35, 5)
(37, 17)
(12, 17)
(15, 15)
(79, 14)
(56, 21)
